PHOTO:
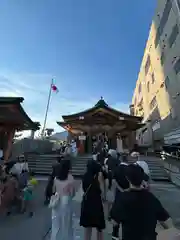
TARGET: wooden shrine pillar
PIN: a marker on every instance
(8, 144)
(90, 142)
(82, 138)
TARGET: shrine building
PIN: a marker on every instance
(101, 121)
(13, 118)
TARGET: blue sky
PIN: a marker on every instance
(92, 48)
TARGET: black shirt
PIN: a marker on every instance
(112, 164)
(138, 211)
(120, 176)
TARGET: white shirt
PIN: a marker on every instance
(19, 167)
(73, 147)
(25, 166)
(68, 150)
(16, 169)
(94, 156)
(144, 166)
(124, 163)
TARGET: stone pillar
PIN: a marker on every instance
(8, 148)
(131, 107)
(119, 144)
(131, 139)
(32, 134)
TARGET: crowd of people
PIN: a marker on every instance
(109, 182)
(113, 190)
(17, 186)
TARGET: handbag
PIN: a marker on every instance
(54, 200)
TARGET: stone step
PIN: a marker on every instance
(43, 165)
(40, 163)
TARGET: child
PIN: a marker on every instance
(23, 179)
(28, 196)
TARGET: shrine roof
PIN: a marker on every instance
(100, 105)
(12, 113)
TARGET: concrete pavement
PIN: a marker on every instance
(21, 227)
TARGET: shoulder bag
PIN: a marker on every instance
(55, 198)
(89, 187)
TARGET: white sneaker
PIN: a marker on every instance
(115, 238)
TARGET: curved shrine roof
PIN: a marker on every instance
(11, 112)
(101, 104)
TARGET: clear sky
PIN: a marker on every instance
(92, 48)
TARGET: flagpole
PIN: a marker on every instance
(47, 109)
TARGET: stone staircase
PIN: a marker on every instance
(42, 164)
(79, 165)
(156, 167)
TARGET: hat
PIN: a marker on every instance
(135, 154)
(112, 153)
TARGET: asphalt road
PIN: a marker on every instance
(21, 227)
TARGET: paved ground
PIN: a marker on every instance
(21, 227)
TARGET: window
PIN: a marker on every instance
(148, 86)
(147, 66)
(135, 101)
(173, 113)
(153, 78)
(153, 103)
(167, 82)
(158, 35)
(139, 89)
(178, 3)
(177, 66)
(81, 117)
(173, 36)
(163, 21)
(162, 58)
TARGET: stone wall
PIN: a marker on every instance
(31, 145)
(172, 166)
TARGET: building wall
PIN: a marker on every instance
(157, 92)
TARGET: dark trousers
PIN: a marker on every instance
(115, 232)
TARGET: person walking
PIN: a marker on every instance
(121, 185)
(1, 156)
(49, 187)
(61, 202)
(144, 166)
(92, 213)
(139, 210)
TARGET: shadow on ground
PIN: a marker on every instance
(22, 227)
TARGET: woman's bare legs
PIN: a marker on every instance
(87, 233)
(100, 235)
(109, 206)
